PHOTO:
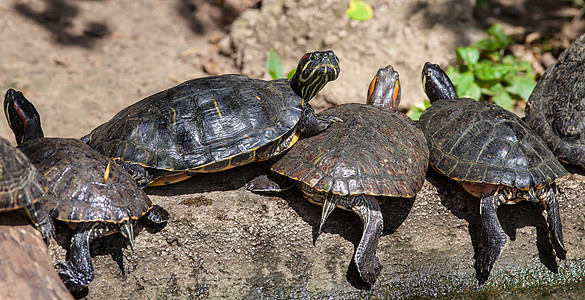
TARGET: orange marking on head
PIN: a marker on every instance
(395, 93)
(372, 86)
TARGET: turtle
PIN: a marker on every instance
(494, 155)
(215, 123)
(88, 192)
(22, 186)
(375, 153)
(556, 108)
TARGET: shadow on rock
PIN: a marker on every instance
(57, 17)
(511, 217)
(347, 224)
(228, 180)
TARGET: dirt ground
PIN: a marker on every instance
(80, 62)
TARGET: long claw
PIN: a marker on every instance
(329, 205)
(127, 231)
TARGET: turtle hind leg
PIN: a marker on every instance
(157, 215)
(367, 263)
(553, 220)
(77, 273)
(493, 237)
(270, 183)
(311, 124)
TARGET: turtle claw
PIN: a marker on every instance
(328, 206)
(75, 280)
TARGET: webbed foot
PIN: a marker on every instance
(75, 280)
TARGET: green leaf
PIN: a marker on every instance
(359, 10)
(487, 45)
(474, 92)
(497, 31)
(416, 111)
(501, 96)
(485, 70)
(274, 66)
(464, 83)
(291, 74)
(522, 86)
(469, 55)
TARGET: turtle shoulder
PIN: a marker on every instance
(82, 191)
(481, 142)
(200, 122)
(375, 151)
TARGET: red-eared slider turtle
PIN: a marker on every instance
(90, 193)
(375, 153)
(556, 107)
(494, 155)
(215, 123)
(23, 186)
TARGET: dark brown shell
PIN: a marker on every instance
(556, 107)
(374, 151)
(481, 142)
(75, 173)
(21, 184)
(200, 122)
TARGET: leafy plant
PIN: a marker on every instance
(416, 111)
(486, 72)
(275, 67)
(359, 10)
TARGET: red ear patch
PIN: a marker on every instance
(20, 114)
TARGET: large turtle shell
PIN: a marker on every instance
(481, 142)
(76, 174)
(556, 107)
(21, 184)
(374, 151)
(200, 122)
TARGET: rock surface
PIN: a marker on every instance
(26, 269)
(226, 242)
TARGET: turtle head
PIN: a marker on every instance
(22, 116)
(315, 69)
(385, 88)
(436, 83)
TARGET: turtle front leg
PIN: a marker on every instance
(553, 220)
(367, 263)
(311, 124)
(140, 174)
(493, 237)
(42, 220)
(77, 272)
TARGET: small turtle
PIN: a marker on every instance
(23, 186)
(374, 154)
(215, 123)
(93, 195)
(494, 155)
(556, 107)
